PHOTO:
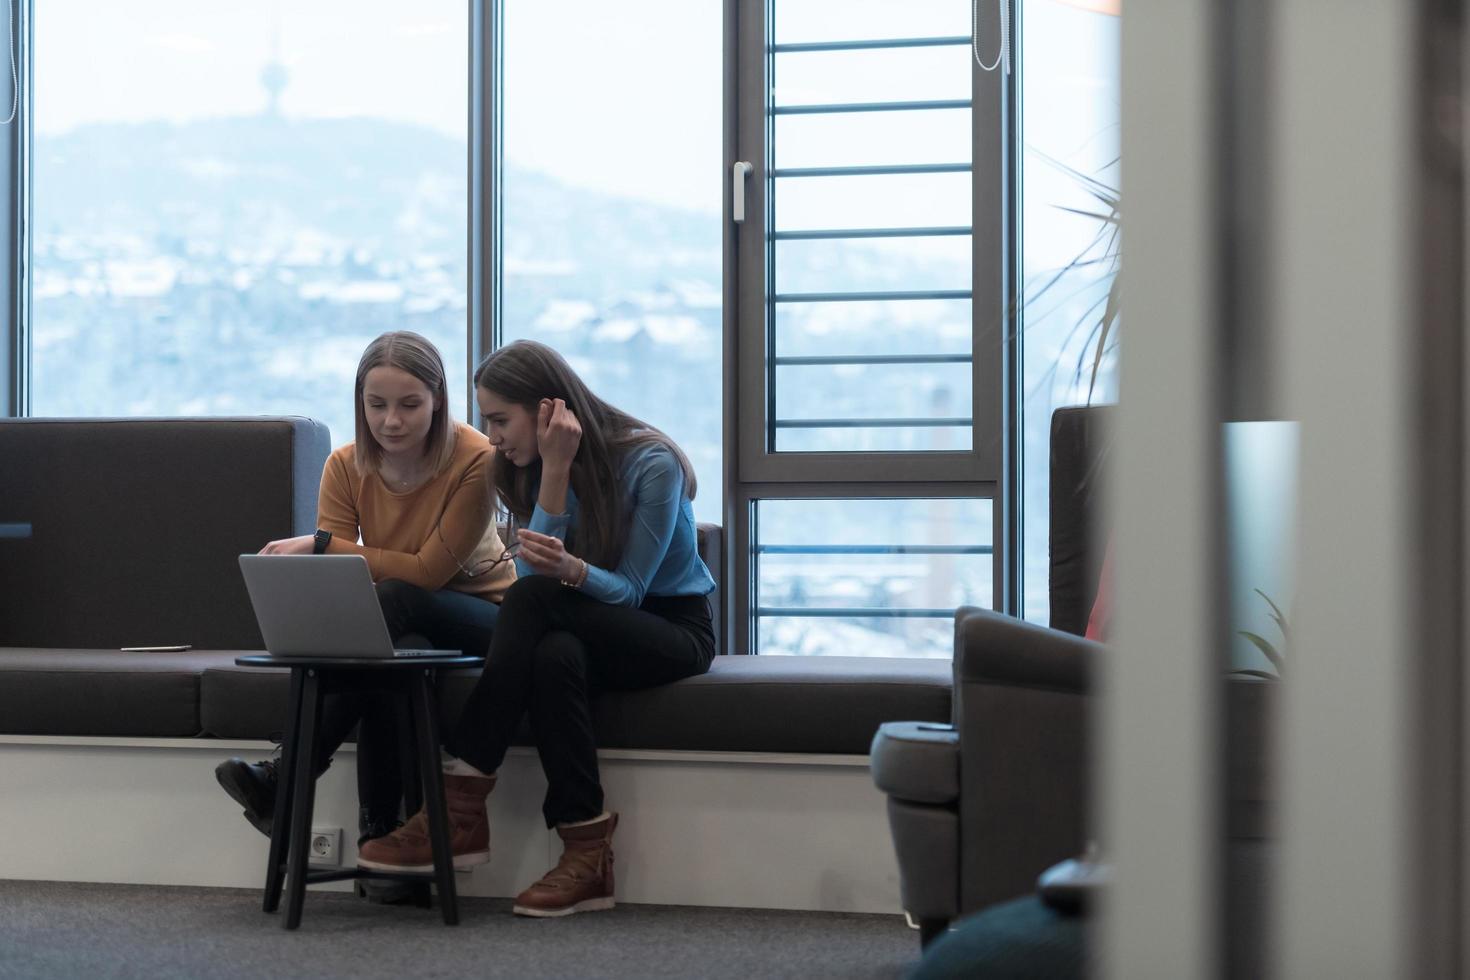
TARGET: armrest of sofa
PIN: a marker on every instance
(994, 648)
(917, 764)
(1021, 708)
(917, 761)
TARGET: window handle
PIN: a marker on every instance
(740, 172)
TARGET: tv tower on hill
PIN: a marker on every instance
(274, 75)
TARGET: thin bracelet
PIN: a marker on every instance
(580, 578)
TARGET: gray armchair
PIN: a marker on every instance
(980, 807)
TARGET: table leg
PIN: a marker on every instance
(427, 725)
(303, 794)
(413, 783)
(285, 774)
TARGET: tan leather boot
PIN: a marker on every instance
(408, 848)
(582, 880)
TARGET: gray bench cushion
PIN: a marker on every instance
(778, 704)
(101, 692)
(250, 702)
(243, 702)
(744, 704)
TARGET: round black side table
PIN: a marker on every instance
(311, 679)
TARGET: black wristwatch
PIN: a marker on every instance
(319, 541)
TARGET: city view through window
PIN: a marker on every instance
(230, 202)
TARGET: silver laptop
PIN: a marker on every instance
(320, 606)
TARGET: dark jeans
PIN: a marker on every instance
(553, 648)
(445, 620)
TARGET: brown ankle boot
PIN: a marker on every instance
(582, 880)
(409, 849)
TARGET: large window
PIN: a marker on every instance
(612, 228)
(231, 200)
(1070, 166)
(873, 298)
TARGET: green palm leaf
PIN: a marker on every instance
(1264, 645)
(1277, 615)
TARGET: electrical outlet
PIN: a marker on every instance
(326, 846)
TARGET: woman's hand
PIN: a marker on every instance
(301, 545)
(558, 433)
(547, 555)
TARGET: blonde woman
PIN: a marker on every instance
(417, 489)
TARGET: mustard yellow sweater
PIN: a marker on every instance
(424, 536)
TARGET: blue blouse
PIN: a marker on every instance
(661, 555)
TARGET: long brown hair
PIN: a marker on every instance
(407, 351)
(525, 372)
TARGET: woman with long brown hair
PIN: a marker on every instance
(416, 487)
(611, 594)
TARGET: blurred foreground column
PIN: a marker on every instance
(1298, 163)
(1368, 231)
(1158, 801)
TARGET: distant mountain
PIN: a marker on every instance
(253, 178)
(388, 191)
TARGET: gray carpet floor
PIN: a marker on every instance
(51, 929)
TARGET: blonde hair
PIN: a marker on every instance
(407, 351)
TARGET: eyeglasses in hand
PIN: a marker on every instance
(487, 565)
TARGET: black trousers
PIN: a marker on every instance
(441, 620)
(553, 647)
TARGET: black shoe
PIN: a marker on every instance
(253, 786)
(381, 891)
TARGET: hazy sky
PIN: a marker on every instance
(620, 97)
(191, 59)
(591, 96)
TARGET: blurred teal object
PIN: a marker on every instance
(1018, 940)
(1261, 465)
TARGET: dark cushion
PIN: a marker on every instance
(750, 704)
(1020, 939)
(102, 692)
(243, 702)
(764, 704)
(250, 702)
(778, 704)
(1078, 443)
(137, 524)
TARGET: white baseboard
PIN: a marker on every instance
(750, 830)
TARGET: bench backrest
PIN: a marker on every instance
(136, 525)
